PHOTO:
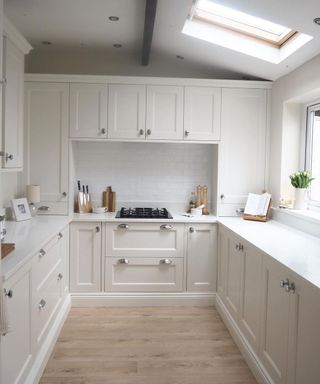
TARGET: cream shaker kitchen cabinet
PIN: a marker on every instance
(275, 320)
(16, 346)
(202, 111)
(85, 257)
(242, 154)
(239, 288)
(164, 112)
(13, 67)
(201, 257)
(127, 111)
(46, 129)
(88, 110)
(304, 344)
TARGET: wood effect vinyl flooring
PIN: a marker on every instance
(158, 345)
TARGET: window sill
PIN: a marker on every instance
(308, 215)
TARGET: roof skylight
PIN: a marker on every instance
(242, 32)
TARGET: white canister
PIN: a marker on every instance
(196, 211)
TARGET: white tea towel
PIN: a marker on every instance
(4, 322)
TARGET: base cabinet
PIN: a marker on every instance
(85, 257)
(201, 257)
(16, 346)
(275, 311)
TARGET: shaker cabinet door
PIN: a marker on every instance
(242, 156)
(202, 110)
(46, 126)
(85, 257)
(88, 110)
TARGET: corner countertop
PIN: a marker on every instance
(296, 250)
(29, 236)
(177, 217)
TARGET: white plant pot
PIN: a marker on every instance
(300, 198)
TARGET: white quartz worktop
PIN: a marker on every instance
(178, 217)
(294, 249)
(29, 236)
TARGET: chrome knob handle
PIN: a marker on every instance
(222, 196)
(42, 253)
(284, 283)
(60, 235)
(97, 229)
(141, 132)
(191, 229)
(123, 261)
(64, 194)
(103, 131)
(166, 227)
(9, 157)
(42, 304)
(237, 247)
(148, 132)
(165, 261)
(9, 293)
(123, 226)
(240, 247)
(290, 288)
(60, 276)
(186, 133)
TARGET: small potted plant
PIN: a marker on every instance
(301, 181)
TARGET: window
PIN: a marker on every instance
(234, 20)
(242, 32)
(313, 151)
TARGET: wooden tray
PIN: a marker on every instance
(6, 249)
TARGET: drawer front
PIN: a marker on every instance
(45, 305)
(144, 240)
(45, 260)
(143, 274)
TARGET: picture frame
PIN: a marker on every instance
(20, 208)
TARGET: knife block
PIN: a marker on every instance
(84, 203)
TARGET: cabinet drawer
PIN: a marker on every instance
(45, 304)
(45, 260)
(143, 274)
(144, 239)
(53, 207)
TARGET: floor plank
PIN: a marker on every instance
(160, 345)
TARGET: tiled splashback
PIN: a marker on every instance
(145, 174)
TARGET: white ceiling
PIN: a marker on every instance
(75, 23)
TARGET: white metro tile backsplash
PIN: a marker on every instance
(145, 173)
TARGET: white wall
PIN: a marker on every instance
(94, 62)
(8, 188)
(145, 173)
(289, 94)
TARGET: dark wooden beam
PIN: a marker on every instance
(149, 18)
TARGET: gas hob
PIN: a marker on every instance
(143, 213)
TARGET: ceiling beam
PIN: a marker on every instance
(150, 16)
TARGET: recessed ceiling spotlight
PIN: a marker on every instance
(317, 20)
(46, 42)
(117, 45)
(179, 57)
(114, 18)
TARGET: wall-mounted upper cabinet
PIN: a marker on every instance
(14, 49)
(127, 111)
(202, 110)
(164, 112)
(88, 110)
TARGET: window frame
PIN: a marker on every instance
(312, 107)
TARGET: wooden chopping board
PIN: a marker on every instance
(6, 249)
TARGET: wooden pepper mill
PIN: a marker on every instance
(199, 196)
(205, 210)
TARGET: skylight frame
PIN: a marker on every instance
(214, 14)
